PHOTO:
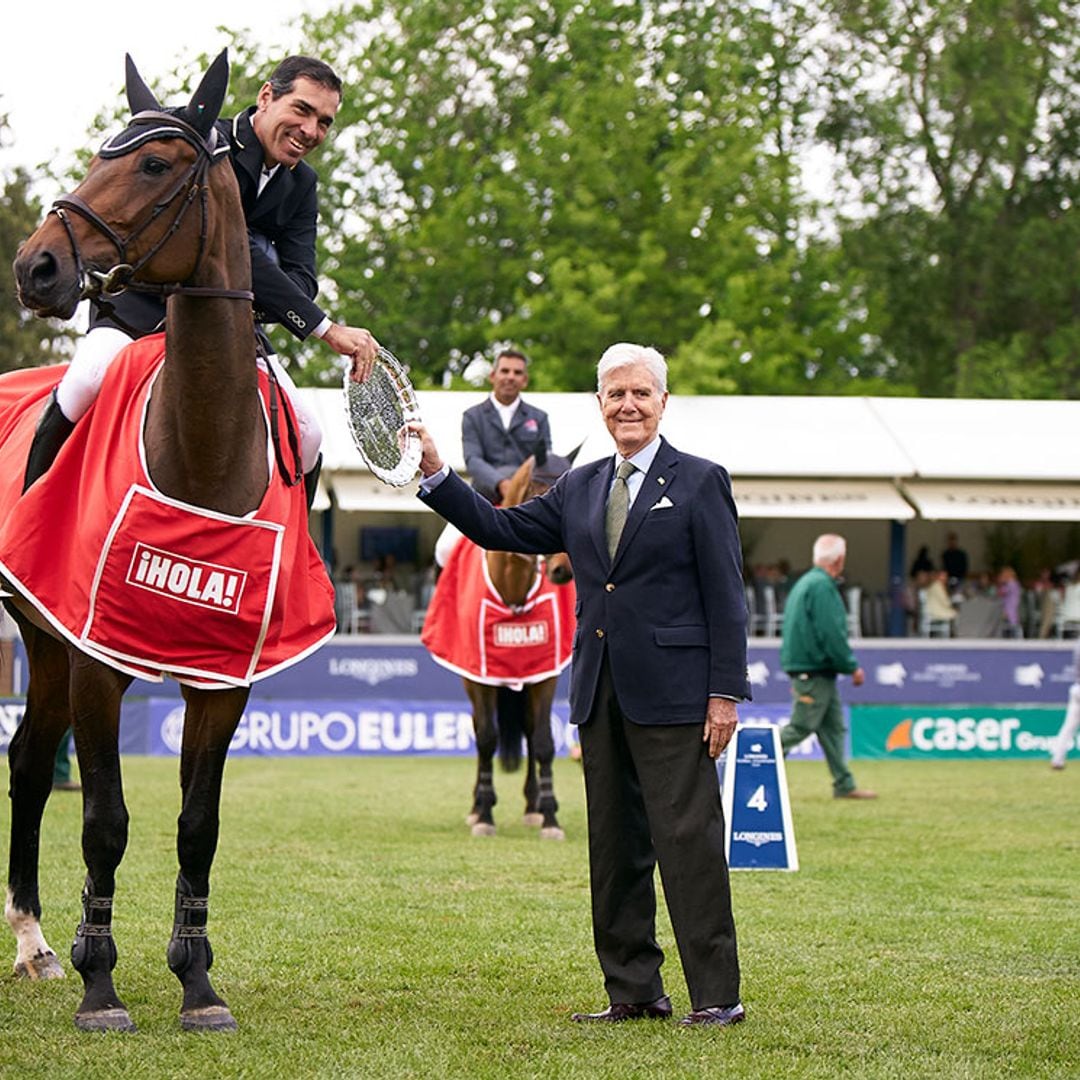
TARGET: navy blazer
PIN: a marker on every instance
(670, 609)
(492, 453)
(281, 232)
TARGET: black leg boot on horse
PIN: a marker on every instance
(93, 955)
(51, 433)
(190, 960)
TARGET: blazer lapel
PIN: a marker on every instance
(656, 484)
(597, 496)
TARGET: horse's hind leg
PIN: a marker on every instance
(95, 697)
(541, 695)
(483, 700)
(30, 758)
(532, 816)
(209, 723)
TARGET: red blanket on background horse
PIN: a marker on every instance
(469, 629)
(142, 582)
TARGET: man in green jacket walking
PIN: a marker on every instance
(813, 652)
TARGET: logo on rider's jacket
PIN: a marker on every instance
(191, 581)
(514, 635)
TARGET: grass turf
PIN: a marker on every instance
(360, 931)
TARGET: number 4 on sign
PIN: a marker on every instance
(757, 801)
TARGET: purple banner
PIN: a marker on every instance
(908, 672)
(902, 671)
(313, 726)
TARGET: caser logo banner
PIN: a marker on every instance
(973, 732)
(192, 581)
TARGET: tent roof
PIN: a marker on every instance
(810, 439)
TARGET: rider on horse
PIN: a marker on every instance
(267, 143)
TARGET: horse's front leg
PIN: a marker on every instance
(209, 723)
(96, 691)
(30, 764)
(483, 700)
(542, 744)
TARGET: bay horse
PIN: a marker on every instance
(513, 576)
(159, 212)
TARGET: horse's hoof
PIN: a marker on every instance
(472, 819)
(42, 966)
(212, 1018)
(552, 832)
(104, 1020)
(532, 819)
(481, 829)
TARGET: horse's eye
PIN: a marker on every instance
(154, 166)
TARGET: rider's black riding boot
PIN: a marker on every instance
(52, 431)
(311, 481)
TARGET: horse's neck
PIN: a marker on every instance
(512, 575)
(205, 430)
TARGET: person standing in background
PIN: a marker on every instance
(1066, 737)
(502, 431)
(954, 561)
(813, 651)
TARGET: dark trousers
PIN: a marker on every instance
(653, 796)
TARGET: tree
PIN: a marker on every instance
(566, 174)
(958, 123)
(25, 341)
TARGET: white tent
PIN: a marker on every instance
(844, 458)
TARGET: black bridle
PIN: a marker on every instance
(99, 286)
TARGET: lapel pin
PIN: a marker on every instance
(660, 480)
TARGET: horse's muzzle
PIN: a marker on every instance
(47, 284)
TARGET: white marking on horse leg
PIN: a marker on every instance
(33, 958)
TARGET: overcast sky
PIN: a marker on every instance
(60, 61)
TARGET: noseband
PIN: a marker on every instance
(98, 286)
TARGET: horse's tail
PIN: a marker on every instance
(511, 722)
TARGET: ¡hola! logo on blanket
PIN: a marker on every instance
(511, 635)
(190, 581)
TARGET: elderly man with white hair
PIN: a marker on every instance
(659, 662)
(813, 652)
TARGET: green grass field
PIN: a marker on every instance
(360, 931)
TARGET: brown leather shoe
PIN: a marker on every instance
(66, 785)
(660, 1009)
(855, 793)
(716, 1015)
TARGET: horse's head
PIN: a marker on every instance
(128, 223)
(533, 477)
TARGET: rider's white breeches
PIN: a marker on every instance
(82, 381)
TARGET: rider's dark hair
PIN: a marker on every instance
(307, 67)
(515, 354)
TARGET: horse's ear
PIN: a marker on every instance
(140, 96)
(202, 111)
(574, 453)
(540, 453)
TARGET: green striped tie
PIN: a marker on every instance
(618, 506)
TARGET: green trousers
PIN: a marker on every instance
(815, 710)
(62, 765)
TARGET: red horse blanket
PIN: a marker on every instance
(144, 583)
(469, 629)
